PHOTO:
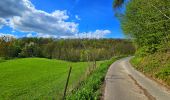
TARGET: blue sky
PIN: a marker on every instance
(78, 17)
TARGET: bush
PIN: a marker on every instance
(164, 75)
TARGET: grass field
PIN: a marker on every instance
(37, 78)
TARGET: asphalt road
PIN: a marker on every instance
(123, 82)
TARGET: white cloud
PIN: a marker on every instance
(77, 17)
(23, 16)
(91, 35)
(96, 34)
(29, 35)
(44, 23)
(3, 22)
(7, 35)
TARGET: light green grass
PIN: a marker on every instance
(37, 78)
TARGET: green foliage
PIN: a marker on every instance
(37, 78)
(147, 22)
(136, 60)
(156, 65)
(164, 75)
(65, 49)
(89, 89)
(30, 50)
(118, 3)
(8, 47)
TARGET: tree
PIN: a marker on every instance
(147, 22)
(31, 50)
(118, 3)
(8, 48)
(64, 49)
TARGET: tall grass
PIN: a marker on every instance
(89, 88)
(155, 65)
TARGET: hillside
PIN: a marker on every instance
(36, 78)
(156, 66)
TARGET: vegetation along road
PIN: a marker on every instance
(123, 82)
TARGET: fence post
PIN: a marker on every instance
(65, 90)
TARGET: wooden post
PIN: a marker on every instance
(95, 64)
(65, 90)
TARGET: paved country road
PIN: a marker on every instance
(123, 82)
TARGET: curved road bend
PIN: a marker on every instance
(123, 82)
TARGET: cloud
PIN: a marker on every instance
(77, 17)
(10, 8)
(91, 35)
(96, 34)
(23, 16)
(2, 22)
(45, 23)
(7, 35)
(29, 35)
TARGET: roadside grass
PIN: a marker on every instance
(37, 78)
(156, 66)
(89, 89)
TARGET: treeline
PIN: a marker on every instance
(148, 23)
(64, 49)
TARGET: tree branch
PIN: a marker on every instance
(160, 11)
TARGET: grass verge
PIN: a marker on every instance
(156, 66)
(90, 88)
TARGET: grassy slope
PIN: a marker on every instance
(35, 78)
(156, 66)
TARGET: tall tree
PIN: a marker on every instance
(147, 21)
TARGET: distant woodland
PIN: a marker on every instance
(64, 49)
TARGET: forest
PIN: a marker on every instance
(65, 49)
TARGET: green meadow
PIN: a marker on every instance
(37, 78)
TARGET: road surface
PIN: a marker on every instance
(123, 82)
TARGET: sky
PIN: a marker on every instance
(59, 19)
